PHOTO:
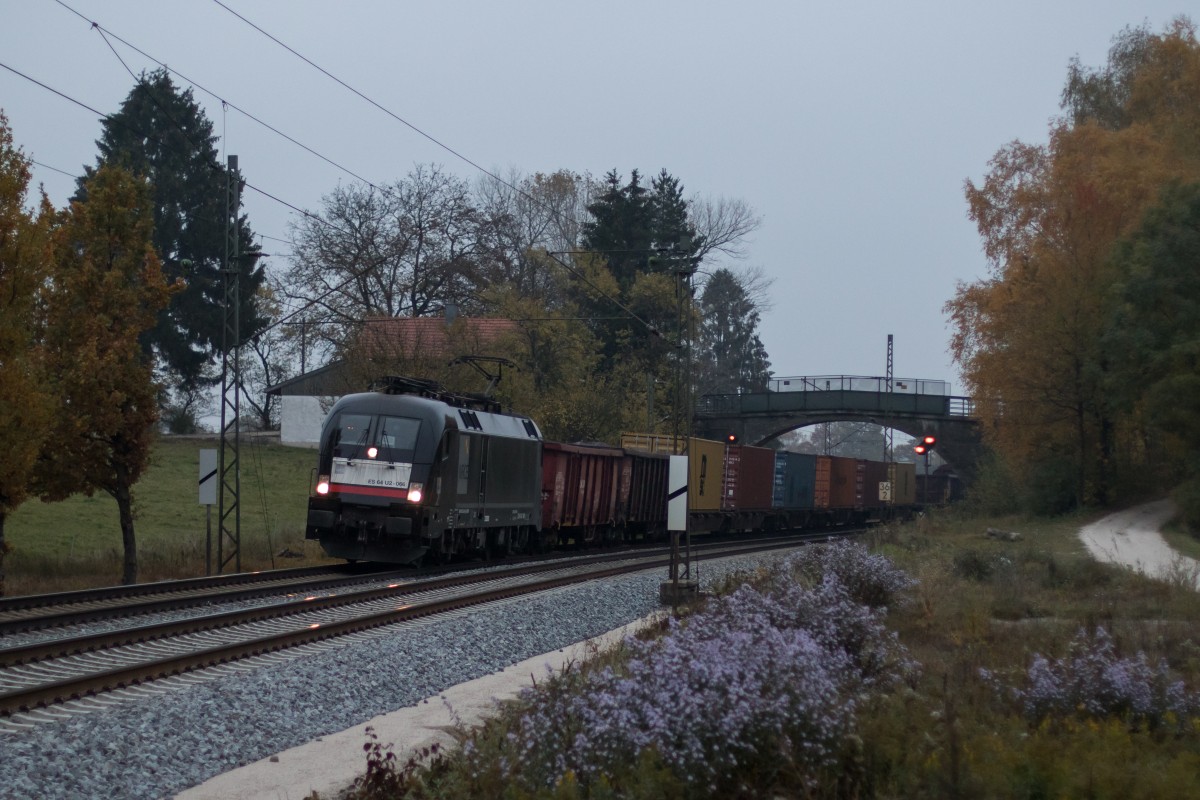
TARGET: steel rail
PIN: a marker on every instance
(57, 648)
(107, 603)
(176, 595)
(74, 645)
(104, 593)
(45, 694)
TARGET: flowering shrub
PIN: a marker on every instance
(1092, 681)
(842, 627)
(760, 681)
(869, 578)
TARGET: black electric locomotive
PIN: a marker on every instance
(404, 475)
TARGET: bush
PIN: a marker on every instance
(1187, 499)
(1092, 681)
(760, 686)
(869, 578)
(972, 565)
(994, 492)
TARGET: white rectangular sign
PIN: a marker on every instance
(677, 496)
(208, 477)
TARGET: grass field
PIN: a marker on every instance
(77, 543)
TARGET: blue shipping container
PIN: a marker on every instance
(795, 476)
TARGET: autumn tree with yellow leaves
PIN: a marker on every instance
(1034, 338)
(106, 292)
(23, 268)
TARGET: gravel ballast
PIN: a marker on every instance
(161, 746)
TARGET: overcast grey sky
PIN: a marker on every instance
(849, 127)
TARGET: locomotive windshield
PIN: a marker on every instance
(397, 438)
(356, 435)
(348, 438)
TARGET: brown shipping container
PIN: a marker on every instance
(749, 477)
(821, 482)
(845, 482)
(875, 474)
(706, 461)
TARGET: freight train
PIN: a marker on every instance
(409, 472)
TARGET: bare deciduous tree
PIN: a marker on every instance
(409, 249)
(725, 225)
(523, 215)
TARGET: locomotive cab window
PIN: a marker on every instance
(397, 438)
(348, 438)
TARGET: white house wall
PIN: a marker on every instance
(300, 420)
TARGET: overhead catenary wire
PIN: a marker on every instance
(53, 169)
(106, 33)
(553, 212)
(336, 288)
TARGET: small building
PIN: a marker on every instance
(413, 346)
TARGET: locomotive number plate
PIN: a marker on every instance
(359, 472)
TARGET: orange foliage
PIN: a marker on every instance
(22, 271)
(1028, 337)
(107, 290)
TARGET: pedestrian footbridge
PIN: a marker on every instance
(914, 406)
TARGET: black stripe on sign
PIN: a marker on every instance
(209, 476)
(677, 492)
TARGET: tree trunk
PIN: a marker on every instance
(3, 550)
(1106, 456)
(124, 498)
(1081, 476)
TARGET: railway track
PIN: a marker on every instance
(31, 613)
(34, 612)
(76, 674)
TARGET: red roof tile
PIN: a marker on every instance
(430, 337)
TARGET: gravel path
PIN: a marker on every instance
(1131, 538)
(157, 748)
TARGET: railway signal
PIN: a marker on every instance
(925, 445)
(732, 438)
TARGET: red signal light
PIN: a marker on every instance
(928, 440)
(920, 449)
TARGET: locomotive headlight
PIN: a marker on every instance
(323, 484)
(414, 492)
(372, 451)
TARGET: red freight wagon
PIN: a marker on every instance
(647, 475)
(582, 495)
(749, 478)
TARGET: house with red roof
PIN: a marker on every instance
(418, 347)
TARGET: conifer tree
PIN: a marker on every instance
(730, 357)
(162, 134)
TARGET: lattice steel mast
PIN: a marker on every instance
(889, 432)
(230, 511)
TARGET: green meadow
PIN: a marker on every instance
(77, 543)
